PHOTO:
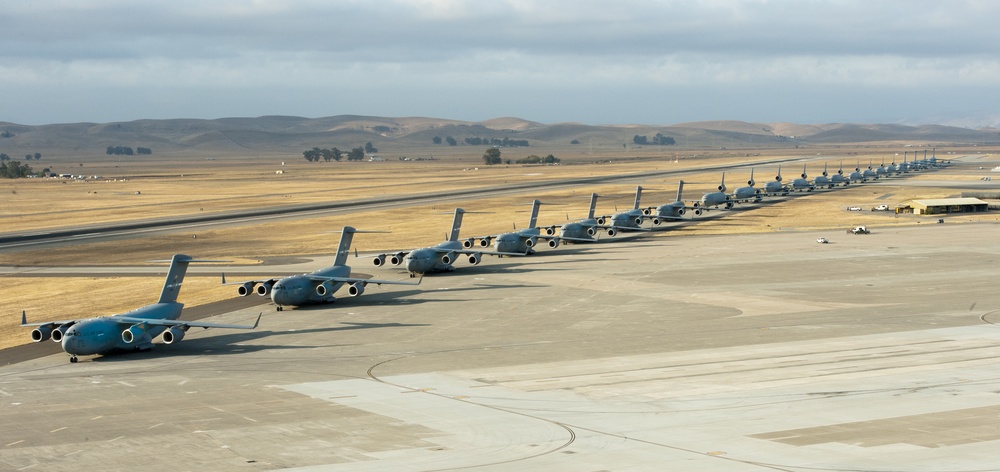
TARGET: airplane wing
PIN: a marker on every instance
(351, 280)
(252, 282)
(24, 321)
(473, 251)
(191, 324)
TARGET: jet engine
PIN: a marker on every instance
(324, 289)
(601, 220)
(264, 289)
(530, 242)
(475, 258)
(550, 230)
(379, 260)
(245, 289)
(485, 242)
(612, 231)
(396, 259)
(554, 243)
(133, 333)
(697, 212)
(41, 333)
(58, 333)
(173, 335)
(638, 220)
(468, 243)
(656, 222)
(355, 289)
(592, 231)
(448, 258)
(729, 205)
(681, 211)
(647, 211)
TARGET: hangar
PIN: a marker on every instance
(936, 206)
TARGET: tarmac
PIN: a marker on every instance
(726, 353)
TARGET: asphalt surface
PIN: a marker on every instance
(729, 353)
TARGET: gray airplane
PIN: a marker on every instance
(717, 198)
(521, 241)
(748, 194)
(802, 183)
(881, 171)
(439, 258)
(628, 220)
(838, 178)
(315, 287)
(824, 179)
(868, 173)
(775, 187)
(582, 231)
(669, 211)
(131, 331)
(857, 176)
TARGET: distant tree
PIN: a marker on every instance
(451, 141)
(437, 139)
(337, 154)
(641, 140)
(312, 155)
(28, 157)
(143, 150)
(369, 148)
(38, 156)
(575, 141)
(356, 154)
(662, 140)
(492, 156)
(550, 159)
(14, 170)
(4, 157)
(532, 159)
(6, 134)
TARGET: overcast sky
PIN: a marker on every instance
(595, 62)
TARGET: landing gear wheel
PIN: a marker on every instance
(280, 308)
(73, 360)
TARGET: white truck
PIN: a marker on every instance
(882, 207)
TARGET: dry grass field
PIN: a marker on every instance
(132, 192)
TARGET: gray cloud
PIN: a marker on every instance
(597, 62)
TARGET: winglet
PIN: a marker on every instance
(24, 318)
(223, 278)
(256, 323)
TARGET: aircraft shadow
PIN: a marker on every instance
(400, 296)
(227, 344)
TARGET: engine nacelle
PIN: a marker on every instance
(41, 333)
(264, 289)
(554, 243)
(448, 258)
(637, 221)
(245, 289)
(468, 243)
(550, 230)
(681, 212)
(58, 333)
(133, 333)
(379, 260)
(173, 335)
(324, 288)
(355, 289)
(612, 231)
(656, 222)
(592, 231)
(396, 259)
(531, 242)
(601, 220)
(485, 242)
(697, 212)
(729, 205)
(475, 258)
(647, 212)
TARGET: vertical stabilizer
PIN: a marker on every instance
(344, 248)
(638, 196)
(456, 224)
(593, 206)
(175, 276)
(680, 188)
(534, 213)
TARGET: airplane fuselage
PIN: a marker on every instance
(431, 259)
(517, 241)
(299, 290)
(775, 188)
(715, 199)
(801, 184)
(579, 231)
(104, 334)
(629, 219)
(746, 194)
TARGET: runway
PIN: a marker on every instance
(730, 353)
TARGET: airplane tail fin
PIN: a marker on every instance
(680, 188)
(344, 248)
(638, 196)
(593, 205)
(175, 276)
(534, 213)
(456, 224)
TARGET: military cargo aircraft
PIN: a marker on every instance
(628, 220)
(581, 231)
(315, 287)
(775, 187)
(439, 258)
(133, 330)
(717, 198)
(521, 241)
(802, 183)
(669, 211)
(749, 193)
